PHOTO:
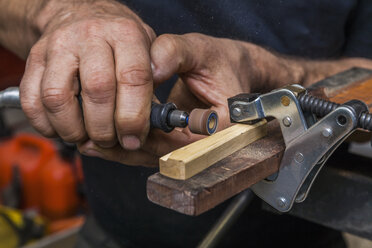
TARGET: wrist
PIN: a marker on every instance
(45, 13)
(56, 11)
(272, 70)
(286, 70)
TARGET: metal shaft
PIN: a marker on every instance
(9, 98)
(228, 218)
(166, 117)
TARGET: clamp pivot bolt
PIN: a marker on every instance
(327, 132)
(237, 112)
(287, 121)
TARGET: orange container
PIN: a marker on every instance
(49, 183)
(30, 153)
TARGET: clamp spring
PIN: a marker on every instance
(365, 121)
(322, 107)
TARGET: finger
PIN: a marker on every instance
(150, 32)
(118, 154)
(184, 98)
(30, 96)
(58, 95)
(172, 54)
(197, 59)
(98, 89)
(134, 91)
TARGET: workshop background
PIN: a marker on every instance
(41, 182)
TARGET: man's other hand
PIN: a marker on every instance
(105, 46)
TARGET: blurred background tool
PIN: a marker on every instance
(17, 228)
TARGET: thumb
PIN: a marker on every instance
(171, 54)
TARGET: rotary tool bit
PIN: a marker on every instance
(166, 117)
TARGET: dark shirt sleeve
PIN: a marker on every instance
(359, 31)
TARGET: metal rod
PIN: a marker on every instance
(9, 98)
(228, 218)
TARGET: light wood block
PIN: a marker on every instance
(194, 158)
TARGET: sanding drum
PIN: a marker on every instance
(166, 116)
(203, 121)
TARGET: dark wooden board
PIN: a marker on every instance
(224, 179)
(355, 83)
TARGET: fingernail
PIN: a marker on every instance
(93, 153)
(131, 142)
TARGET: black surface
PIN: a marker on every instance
(341, 197)
(118, 201)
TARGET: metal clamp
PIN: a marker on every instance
(308, 143)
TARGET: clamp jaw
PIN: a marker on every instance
(309, 142)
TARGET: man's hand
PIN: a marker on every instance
(210, 69)
(106, 46)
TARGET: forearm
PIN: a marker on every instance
(17, 28)
(315, 70)
(277, 70)
(307, 71)
(22, 22)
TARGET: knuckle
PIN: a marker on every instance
(28, 108)
(54, 100)
(74, 136)
(33, 115)
(102, 136)
(36, 55)
(133, 121)
(91, 27)
(130, 30)
(99, 89)
(131, 27)
(135, 76)
(28, 104)
(49, 133)
(169, 42)
(45, 130)
(58, 38)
